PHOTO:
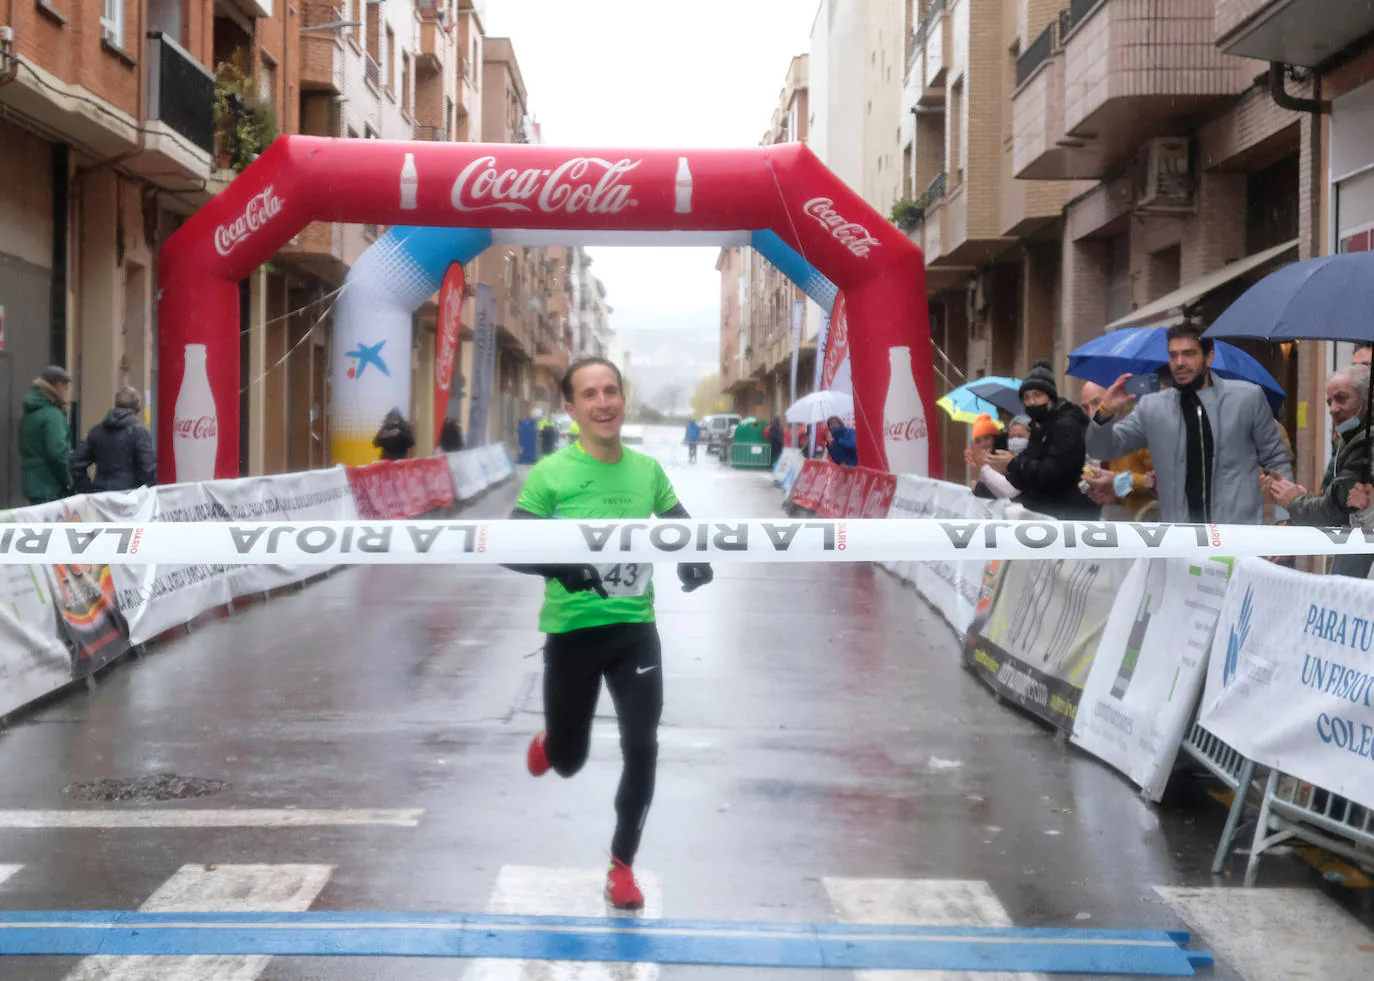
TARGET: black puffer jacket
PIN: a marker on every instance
(1048, 470)
(122, 451)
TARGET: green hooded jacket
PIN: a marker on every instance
(45, 446)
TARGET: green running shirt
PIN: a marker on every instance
(574, 484)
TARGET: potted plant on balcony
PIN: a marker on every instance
(244, 123)
(907, 214)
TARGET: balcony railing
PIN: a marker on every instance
(1078, 10)
(935, 191)
(181, 93)
(432, 134)
(1037, 52)
(374, 72)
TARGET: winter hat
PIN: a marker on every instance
(985, 425)
(55, 375)
(1019, 421)
(1041, 379)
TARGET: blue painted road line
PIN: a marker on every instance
(845, 946)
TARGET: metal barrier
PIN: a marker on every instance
(1294, 809)
(1232, 769)
(751, 455)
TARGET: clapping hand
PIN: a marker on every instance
(1361, 496)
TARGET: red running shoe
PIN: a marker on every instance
(621, 889)
(536, 759)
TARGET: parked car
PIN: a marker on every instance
(716, 430)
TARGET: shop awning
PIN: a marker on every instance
(1169, 308)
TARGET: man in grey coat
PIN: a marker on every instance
(1210, 438)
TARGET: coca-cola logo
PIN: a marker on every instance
(589, 185)
(853, 236)
(203, 427)
(906, 429)
(261, 209)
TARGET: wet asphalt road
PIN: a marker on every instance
(818, 729)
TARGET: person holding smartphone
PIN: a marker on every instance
(1209, 438)
(1127, 483)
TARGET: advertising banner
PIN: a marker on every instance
(788, 467)
(483, 365)
(1290, 683)
(810, 485)
(1038, 640)
(466, 471)
(1138, 701)
(951, 587)
(89, 617)
(449, 332)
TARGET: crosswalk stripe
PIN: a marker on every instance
(8, 870)
(535, 891)
(1275, 934)
(213, 889)
(207, 818)
(921, 902)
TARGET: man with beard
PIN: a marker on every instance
(1210, 438)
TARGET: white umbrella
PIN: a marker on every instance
(820, 406)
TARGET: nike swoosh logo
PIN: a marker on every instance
(645, 670)
(586, 485)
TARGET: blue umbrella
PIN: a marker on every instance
(963, 406)
(1141, 350)
(1005, 393)
(1330, 298)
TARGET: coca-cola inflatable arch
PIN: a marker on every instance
(780, 199)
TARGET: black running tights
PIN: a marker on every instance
(629, 657)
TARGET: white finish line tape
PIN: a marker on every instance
(545, 542)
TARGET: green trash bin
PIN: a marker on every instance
(749, 450)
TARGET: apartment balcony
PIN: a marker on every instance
(327, 248)
(178, 144)
(935, 39)
(322, 48)
(1296, 32)
(1107, 76)
(435, 45)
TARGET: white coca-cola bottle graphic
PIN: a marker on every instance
(410, 184)
(683, 185)
(905, 439)
(195, 425)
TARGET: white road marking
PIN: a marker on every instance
(534, 891)
(8, 870)
(921, 902)
(213, 889)
(1275, 934)
(192, 818)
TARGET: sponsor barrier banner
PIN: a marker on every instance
(787, 468)
(466, 470)
(1037, 642)
(1074, 546)
(809, 487)
(952, 587)
(1290, 683)
(499, 465)
(1140, 694)
(835, 497)
(82, 590)
(399, 489)
(34, 659)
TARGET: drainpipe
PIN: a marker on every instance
(1285, 101)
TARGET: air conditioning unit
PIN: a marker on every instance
(1169, 186)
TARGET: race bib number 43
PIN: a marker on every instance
(626, 579)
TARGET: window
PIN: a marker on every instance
(267, 81)
(405, 82)
(373, 18)
(958, 150)
(389, 65)
(112, 23)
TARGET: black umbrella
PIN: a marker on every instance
(1330, 298)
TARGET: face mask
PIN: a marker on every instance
(1016, 444)
(1038, 413)
(1352, 423)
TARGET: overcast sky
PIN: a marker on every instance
(647, 73)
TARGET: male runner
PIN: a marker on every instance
(600, 619)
